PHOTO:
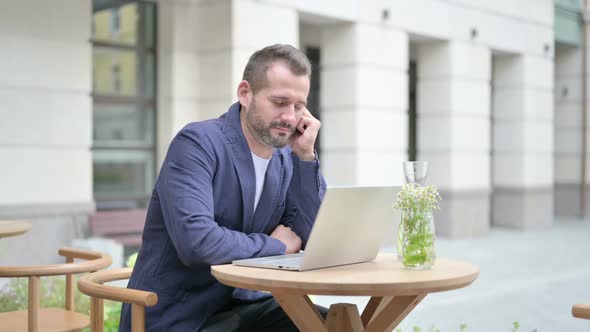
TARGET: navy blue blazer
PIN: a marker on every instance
(202, 213)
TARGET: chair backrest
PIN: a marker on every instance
(93, 285)
(93, 261)
(581, 311)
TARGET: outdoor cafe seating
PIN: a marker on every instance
(51, 319)
(94, 286)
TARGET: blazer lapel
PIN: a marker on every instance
(271, 191)
(242, 160)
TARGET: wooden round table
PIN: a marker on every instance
(394, 290)
(13, 228)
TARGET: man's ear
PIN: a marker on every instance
(245, 94)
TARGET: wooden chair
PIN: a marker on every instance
(51, 319)
(581, 311)
(92, 285)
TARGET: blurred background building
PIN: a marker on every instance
(492, 92)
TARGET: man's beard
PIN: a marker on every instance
(263, 131)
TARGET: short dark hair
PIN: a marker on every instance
(261, 60)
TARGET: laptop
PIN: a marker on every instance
(350, 227)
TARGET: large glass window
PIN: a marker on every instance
(124, 102)
(313, 99)
(412, 125)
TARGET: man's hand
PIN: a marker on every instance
(288, 237)
(303, 139)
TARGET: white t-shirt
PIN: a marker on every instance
(260, 166)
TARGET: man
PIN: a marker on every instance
(244, 185)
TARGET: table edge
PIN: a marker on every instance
(411, 288)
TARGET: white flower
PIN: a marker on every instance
(416, 197)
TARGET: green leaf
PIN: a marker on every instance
(131, 260)
(516, 326)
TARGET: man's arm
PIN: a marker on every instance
(185, 191)
(304, 196)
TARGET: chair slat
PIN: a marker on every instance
(33, 318)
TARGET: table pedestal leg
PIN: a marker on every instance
(374, 305)
(301, 311)
(385, 313)
(344, 317)
(380, 314)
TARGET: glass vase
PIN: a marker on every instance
(415, 173)
(416, 242)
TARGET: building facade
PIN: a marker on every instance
(490, 92)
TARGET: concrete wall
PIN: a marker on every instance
(178, 70)
(45, 123)
(454, 131)
(364, 101)
(523, 141)
(568, 131)
(364, 91)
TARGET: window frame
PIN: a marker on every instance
(139, 99)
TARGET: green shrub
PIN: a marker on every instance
(14, 295)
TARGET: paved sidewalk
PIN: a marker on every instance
(531, 277)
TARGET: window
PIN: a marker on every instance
(116, 69)
(412, 126)
(115, 21)
(313, 99)
(124, 103)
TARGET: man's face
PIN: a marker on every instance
(275, 110)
